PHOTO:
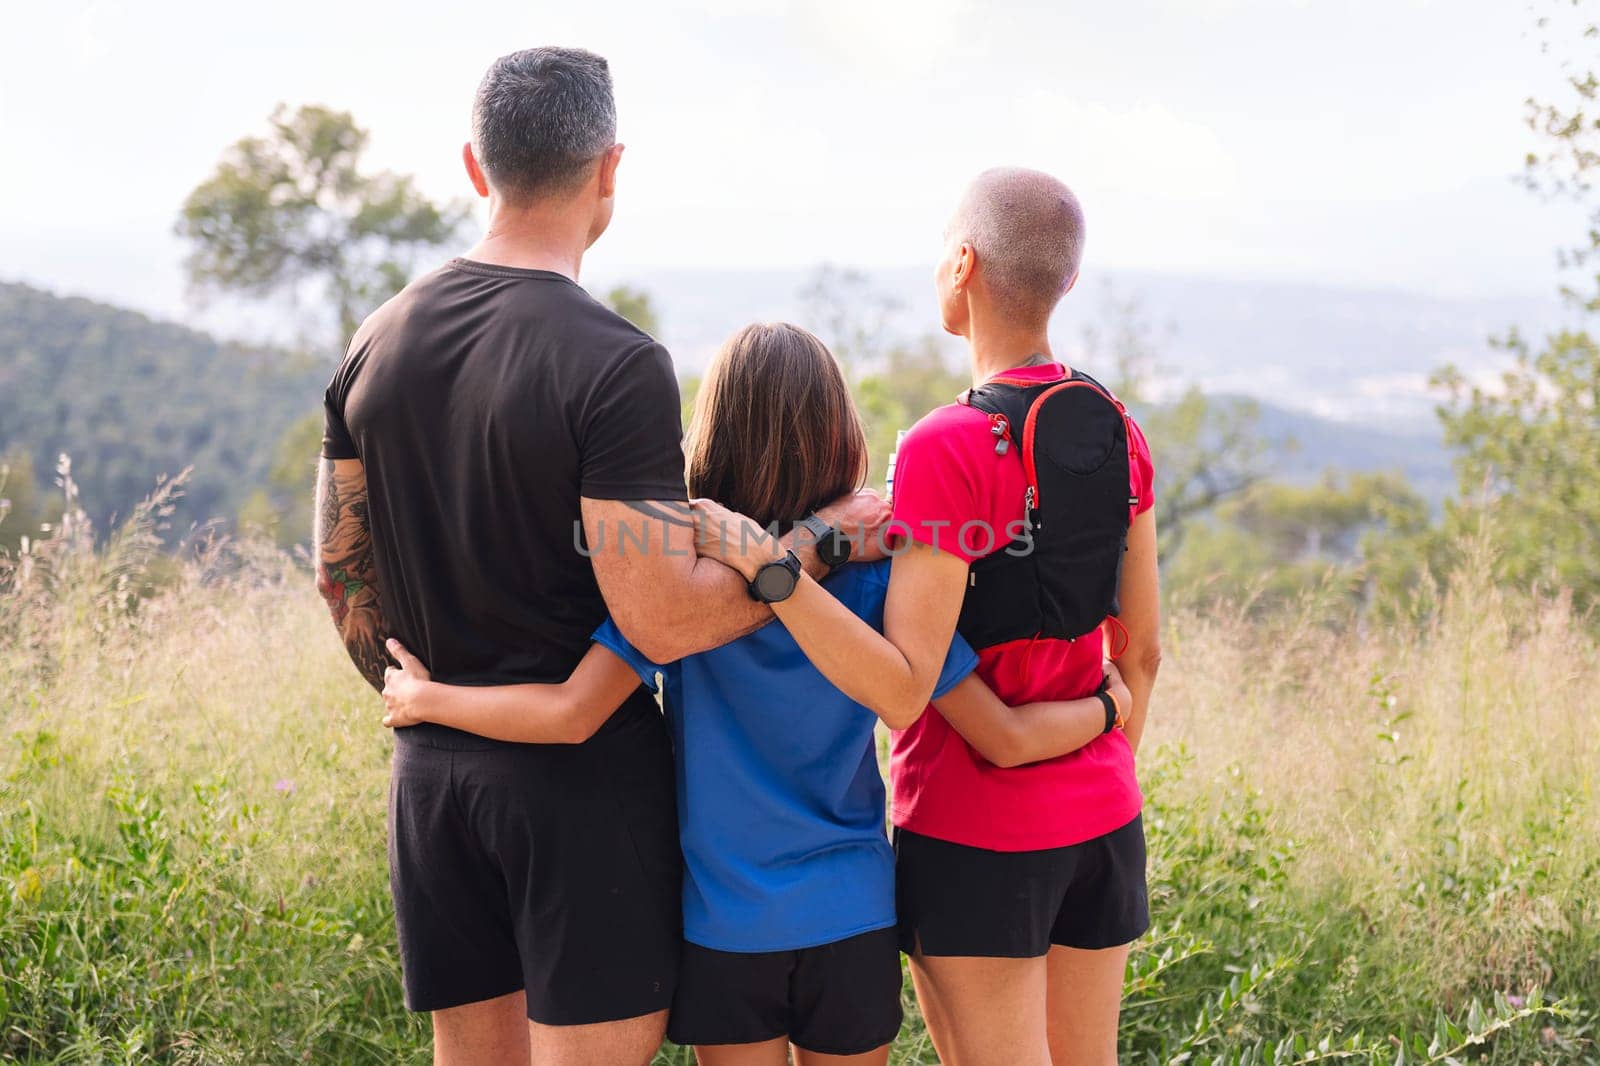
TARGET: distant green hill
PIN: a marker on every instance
(131, 398)
(1304, 447)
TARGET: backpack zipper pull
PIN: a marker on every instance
(1002, 432)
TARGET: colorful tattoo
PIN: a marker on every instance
(347, 573)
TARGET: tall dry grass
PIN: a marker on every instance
(1366, 845)
(1430, 791)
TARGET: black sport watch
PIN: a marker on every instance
(833, 548)
(775, 581)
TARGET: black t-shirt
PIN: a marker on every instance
(483, 401)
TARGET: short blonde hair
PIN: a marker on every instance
(1027, 229)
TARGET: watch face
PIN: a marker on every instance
(833, 550)
(775, 582)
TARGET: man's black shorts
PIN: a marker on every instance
(841, 998)
(959, 900)
(549, 868)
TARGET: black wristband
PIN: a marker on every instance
(1103, 694)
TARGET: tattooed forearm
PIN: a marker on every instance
(347, 575)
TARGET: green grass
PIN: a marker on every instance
(1370, 847)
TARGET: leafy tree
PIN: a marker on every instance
(635, 305)
(1271, 542)
(914, 378)
(841, 306)
(281, 506)
(258, 515)
(688, 389)
(294, 211)
(20, 512)
(1529, 462)
(1331, 519)
(895, 382)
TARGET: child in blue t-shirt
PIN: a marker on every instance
(788, 889)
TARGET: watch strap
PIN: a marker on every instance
(816, 524)
(824, 534)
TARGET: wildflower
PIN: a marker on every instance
(30, 886)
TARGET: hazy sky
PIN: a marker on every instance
(1369, 142)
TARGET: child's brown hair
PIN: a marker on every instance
(775, 433)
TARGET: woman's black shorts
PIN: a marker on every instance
(959, 900)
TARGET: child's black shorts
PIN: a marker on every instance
(841, 998)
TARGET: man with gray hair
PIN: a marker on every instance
(488, 423)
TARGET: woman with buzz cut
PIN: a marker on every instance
(1025, 513)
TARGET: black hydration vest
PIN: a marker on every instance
(1059, 577)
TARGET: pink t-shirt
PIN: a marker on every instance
(946, 475)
